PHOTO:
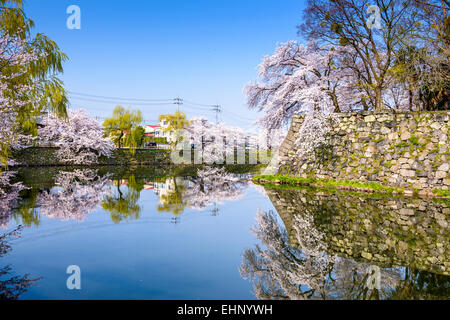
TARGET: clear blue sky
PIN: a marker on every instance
(204, 51)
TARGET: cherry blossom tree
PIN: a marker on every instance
(76, 194)
(214, 143)
(268, 139)
(300, 78)
(80, 139)
(15, 58)
(281, 270)
(221, 143)
(346, 23)
(317, 80)
(313, 134)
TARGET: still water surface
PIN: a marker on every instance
(215, 235)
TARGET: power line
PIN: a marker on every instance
(178, 102)
(198, 104)
(217, 110)
(109, 102)
(196, 108)
(159, 102)
(116, 98)
(141, 104)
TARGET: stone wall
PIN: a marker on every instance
(410, 150)
(384, 231)
(39, 156)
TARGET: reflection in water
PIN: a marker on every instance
(171, 195)
(9, 196)
(214, 186)
(123, 204)
(347, 247)
(211, 187)
(73, 195)
(76, 194)
(316, 245)
(12, 286)
(282, 271)
(27, 210)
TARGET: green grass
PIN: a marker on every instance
(374, 195)
(289, 180)
(414, 140)
(402, 144)
(441, 193)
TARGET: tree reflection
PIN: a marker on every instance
(171, 197)
(76, 194)
(279, 270)
(27, 210)
(12, 286)
(214, 186)
(122, 204)
(211, 186)
(9, 196)
(422, 285)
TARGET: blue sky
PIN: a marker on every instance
(203, 51)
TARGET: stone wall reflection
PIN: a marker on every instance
(345, 246)
(383, 231)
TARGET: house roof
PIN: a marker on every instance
(150, 126)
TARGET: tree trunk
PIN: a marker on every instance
(120, 139)
(335, 102)
(411, 96)
(379, 105)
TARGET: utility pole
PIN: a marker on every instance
(217, 109)
(178, 101)
(215, 210)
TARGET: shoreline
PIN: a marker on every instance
(348, 186)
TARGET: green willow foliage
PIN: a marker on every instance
(123, 204)
(124, 125)
(48, 93)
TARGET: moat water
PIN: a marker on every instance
(213, 234)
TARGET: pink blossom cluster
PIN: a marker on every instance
(217, 143)
(14, 55)
(9, 196)
(76, 194)
(79, 139)
(214, 186)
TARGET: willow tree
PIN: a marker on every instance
(173, 124)
(47, 91)
(29, 85)
(122, 122)
(137, 139)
